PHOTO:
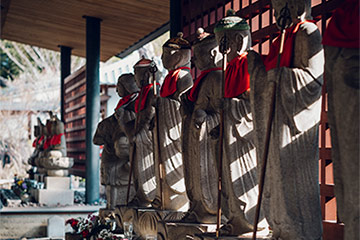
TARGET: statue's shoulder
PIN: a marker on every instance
(184, 74)
(213, 78)
(308, 28)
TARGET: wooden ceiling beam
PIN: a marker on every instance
(59, 22)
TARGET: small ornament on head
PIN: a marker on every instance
(202, 36)
(177, 42)
(231, 22)
(143, 62)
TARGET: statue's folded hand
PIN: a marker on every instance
(200, 116)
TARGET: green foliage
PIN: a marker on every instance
(9, 70)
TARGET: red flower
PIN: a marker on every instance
(72, 222)
(85, 233)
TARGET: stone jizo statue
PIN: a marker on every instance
(115, 155)
(199, 148)
(53, 158)
(239, 176)
(341, 45)
(291, 198)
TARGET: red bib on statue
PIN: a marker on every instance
(168, 88)
(237, 78)
(195, 89)
(286, 57)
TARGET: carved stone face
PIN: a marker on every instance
(173, 59)
(120, 89)
(142, 76)
(238, 42)
(126, 85)
(170, 58)
(299, 9)
(206, 55)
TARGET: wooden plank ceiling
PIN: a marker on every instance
(50, 23)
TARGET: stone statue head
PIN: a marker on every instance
(300, 10)
(126, 85)
(206, 51)
(37, 128)
(143, 76)
(235, 32)
(47, 128)
(57, 127)
(176, 52)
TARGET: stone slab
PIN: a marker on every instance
(57, 182)
(247, 236)
(56, 227)
(54, 197)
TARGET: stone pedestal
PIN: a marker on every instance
(147, 221)
(57, 182)
(54, 197)
(260, 235)
(57, 192)
(178, 230)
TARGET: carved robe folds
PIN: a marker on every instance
(291, 192)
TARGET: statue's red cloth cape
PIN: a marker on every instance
(192, 96)
(144, 94)
(237, 78)
(168, 88)
(286, 56)
(343, 28)
(125, 100)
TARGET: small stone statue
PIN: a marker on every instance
(54, 156)
(291, 198)
(141, 137)
(201, 117)
(38, 143)
(341, 45)
(115, 155)
(239, 176)
(176, 59)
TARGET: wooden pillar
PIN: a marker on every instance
(175, 17)
(92, 186)
(65, 67)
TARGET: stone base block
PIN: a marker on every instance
(53, 183)
(54, 197)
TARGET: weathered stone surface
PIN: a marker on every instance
(56, 227)
(55, 160)
(57, 182)
(111, 134)
(291, 193)
(342, 76)
(239, 170)
(201, 116)
(54, 197)
(58, 172)
(146, 221)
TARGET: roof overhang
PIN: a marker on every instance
(50, 23)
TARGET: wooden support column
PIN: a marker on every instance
(175, 17)
(65, 67)
(92, 186)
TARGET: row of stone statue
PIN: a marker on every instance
(49, 156)
(174, 135)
